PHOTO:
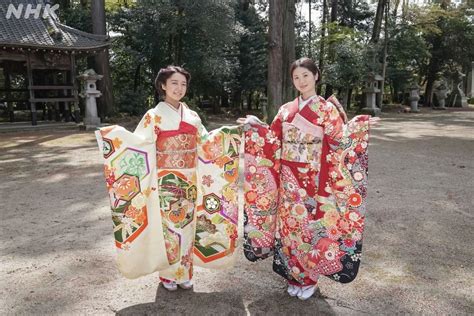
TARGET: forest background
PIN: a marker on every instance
(239, 52)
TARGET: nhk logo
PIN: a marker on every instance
(17, 12)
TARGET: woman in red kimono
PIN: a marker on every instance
(306, 187)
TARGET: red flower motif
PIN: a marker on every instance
(110, 179)
(355, 200)
(292, 223)
(333, 233)
(349, 243)
(352, 159)
(234, 236)
(250, 196)
(344, 226)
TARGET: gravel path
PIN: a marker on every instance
(57, 255)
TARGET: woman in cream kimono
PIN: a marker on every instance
(173, 189)
(306, 187)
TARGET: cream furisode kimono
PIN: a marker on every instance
(173, 193)
(305, 191)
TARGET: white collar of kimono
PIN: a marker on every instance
(302, 103)
(178, 110)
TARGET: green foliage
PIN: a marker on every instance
(224, 45)
(133, 102)
(199, 35)
(78, 17)
(432, 41)
(409, 54)
(251, 68)
(348, 68)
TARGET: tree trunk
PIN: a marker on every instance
(395, 9)
(322, 43)
(429, 94)
(349, 97)
(345, 98)
(385, 54)
(275, 74)
(332, 52)
(236, 100)
(106, 102)
(378, 21)
(288, 48)
(310, 29)
(249, 101)
(436, 61)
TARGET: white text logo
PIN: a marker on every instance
(17, 12)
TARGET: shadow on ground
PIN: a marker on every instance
(57, 255)
(227, 303)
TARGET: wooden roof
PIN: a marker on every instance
(43, 33)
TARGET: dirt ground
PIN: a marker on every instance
(57, 249)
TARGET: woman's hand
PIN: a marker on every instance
(374, 121)
(250, 119)
(241, 120)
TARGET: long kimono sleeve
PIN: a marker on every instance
(343, 185)
(261, 186)
(131, 181)
(217, 212)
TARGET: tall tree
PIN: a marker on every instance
(331, 48)
(275, 71)
(106, 103)
(385, 55)
(322, 40)
(376, 30)
(378, 21)
(251, 68)
(281, 53)
(288, 48)
(436, 49)
(154, 34)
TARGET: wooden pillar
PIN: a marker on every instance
(75, 91)
(8, 93)
(57, 105)
(32, 93)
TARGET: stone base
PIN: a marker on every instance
(83, 127)
(463, 103)
(91, 123)
(414, 108)
(371, 111)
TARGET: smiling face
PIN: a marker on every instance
(304, 80)
(175, 87)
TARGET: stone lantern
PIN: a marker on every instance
(414, 97)
(90, 93)
(370, 95)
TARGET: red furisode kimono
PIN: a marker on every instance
(305, 191)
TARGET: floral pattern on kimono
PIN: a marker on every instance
(173, 193)
(313, 164)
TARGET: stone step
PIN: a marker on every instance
(42, 125)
